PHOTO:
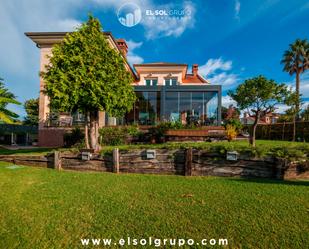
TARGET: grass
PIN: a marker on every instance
(34, 151)
(44, 208)
(282, 149)
(31, 151)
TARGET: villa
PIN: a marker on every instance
(165, 92)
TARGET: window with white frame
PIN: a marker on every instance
(151, 82)
(170, 81)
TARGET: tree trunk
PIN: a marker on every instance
(297, 92)
(252, 140)
(93, 130)
(297, 82)
(294, 127)
(97, 132)
(86, 130)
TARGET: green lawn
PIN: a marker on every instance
(44, 208)
(283, 149)
(33, 151)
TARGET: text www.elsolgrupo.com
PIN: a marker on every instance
(153, 242)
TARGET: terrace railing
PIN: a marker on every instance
(64, 120)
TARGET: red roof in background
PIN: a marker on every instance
(190, 78)
(252, 119)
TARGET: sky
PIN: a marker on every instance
(231, 40)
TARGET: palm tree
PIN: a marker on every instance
(296, 60)
(6, 97)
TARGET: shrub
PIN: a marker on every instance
(171, 125)
(161, 128)
(234, 122)
(117, 135)
(75, 137)
(132, 130)
(231, 132)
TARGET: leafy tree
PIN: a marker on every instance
(296, 60)
(229, 113)
(230, 116)
(85, 74)
(32, 109)
(294, 102)
(6, 97)
(258, 96)
(284, 118)
(305, 114)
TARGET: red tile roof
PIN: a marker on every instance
(190, 78)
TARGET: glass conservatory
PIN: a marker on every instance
(198, 104)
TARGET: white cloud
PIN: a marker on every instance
(17, 17)
(237, 9)
(157, 27)
(304, 84)
(133, 45)
(224, 79)
(304, 90)
(213, 65)
(67, 24)
(132, 57)
(19, 60)
(214, 70)
(227, 101)
(109, 3)
(281, 108)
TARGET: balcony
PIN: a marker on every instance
(60, 119)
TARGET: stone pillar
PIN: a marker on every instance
(12, 138)
(116, 160)
(188, 162)
(43, 99)
(101, 119)
(57, 160)
(27, 138)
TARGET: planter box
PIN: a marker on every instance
(203, 132)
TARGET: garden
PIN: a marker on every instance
(53, 205)
(44, 208)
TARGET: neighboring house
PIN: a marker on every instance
(165, 92)
(270, 118)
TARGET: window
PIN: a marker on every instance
(191, 107)
(199, 107)
(170, 81)
(151, 82)
(147, 108)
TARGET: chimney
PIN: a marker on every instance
(194, 69)
(123, 46)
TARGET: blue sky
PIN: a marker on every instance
(231, 40)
